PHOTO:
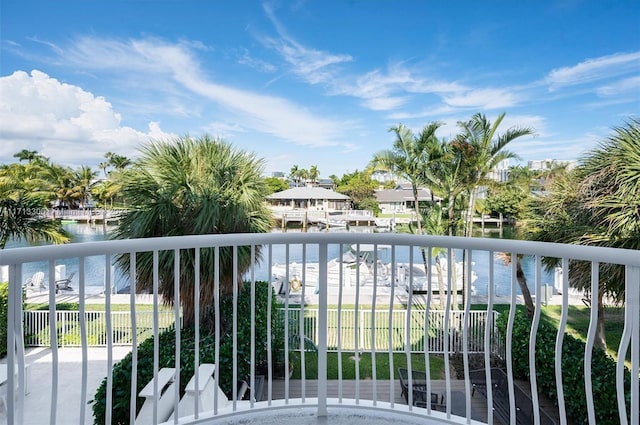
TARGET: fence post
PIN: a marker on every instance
(322, 328)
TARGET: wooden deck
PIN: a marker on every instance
(382, 393)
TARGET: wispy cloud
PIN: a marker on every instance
(312, 65)
(489, 98)
(245, 58)
(594, 70)
(178, 62)
(627, 86)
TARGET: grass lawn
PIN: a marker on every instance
(436, 365)
(96, 307)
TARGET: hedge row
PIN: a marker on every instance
(603, 370)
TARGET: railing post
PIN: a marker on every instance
(322, 329)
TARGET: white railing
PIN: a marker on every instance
(70, 402)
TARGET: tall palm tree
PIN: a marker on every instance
(409, 159)
(293, 174)
(314, 173)
(85, 180)
(486, 149)
(596, 204)
(190, 187)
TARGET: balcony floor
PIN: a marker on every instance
(37, 402)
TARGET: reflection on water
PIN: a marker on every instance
(95, 266)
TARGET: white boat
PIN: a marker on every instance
(332, 223)
(360, 267)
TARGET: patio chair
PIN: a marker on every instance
(206, 392)
(63, 284)
(167, 389)
(35, 282)
(418, 381)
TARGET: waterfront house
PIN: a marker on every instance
(309, 198)
(400, 198)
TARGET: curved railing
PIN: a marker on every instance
(323, 284)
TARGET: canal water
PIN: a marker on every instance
(95, 266)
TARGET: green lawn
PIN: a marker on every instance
(436, 365)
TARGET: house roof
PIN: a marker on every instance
(309, 193)
(403, 193)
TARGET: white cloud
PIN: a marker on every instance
(384, 103)
(62, 121)
(594, 70)
(312, 65)
(628, 86)
(245, 58)
(483, 99)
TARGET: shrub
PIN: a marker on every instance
(603, 369)
(4, 312)
(166, 340)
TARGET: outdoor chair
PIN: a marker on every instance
(35, 282)
(167, 392)
(418, 383)
(206, 392)
(63, 284)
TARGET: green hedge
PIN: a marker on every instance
(603, 369)
(4, 313)
(122, 370)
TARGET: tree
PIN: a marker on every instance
(85, 179)
(275, 184)
(293, 174)
(597, 204)
(26, 155)
(360, 188)
(409, 159)
(22, 203)
(485, 150)
(191, 187)
(314, 173)
(119, 162)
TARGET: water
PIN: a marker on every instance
(95, 266)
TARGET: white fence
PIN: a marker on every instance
(358, 331)
(365, 330)
(37, 332)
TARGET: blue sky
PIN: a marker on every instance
(311, 82)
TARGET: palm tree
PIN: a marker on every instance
(190, 187)
(314, 173)
(409, 159)
(22, 202)
(596, 204)
(485, 150)
(26, 155)
(85, 178)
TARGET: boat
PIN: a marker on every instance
(363, 266)
(332, 223)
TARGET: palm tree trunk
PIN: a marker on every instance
(600, 339)
(470, 210)
(440, 283)
(416, 207)
(452, 218)
(526, 294)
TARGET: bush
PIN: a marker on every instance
(122, 370)
(603, 369)
(4, 312)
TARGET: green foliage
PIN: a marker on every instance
(275, 184)
(167, 339)
(602, 370)
(4, 311)
(360, 187)
(507, 199)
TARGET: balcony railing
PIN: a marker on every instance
(334, 316)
